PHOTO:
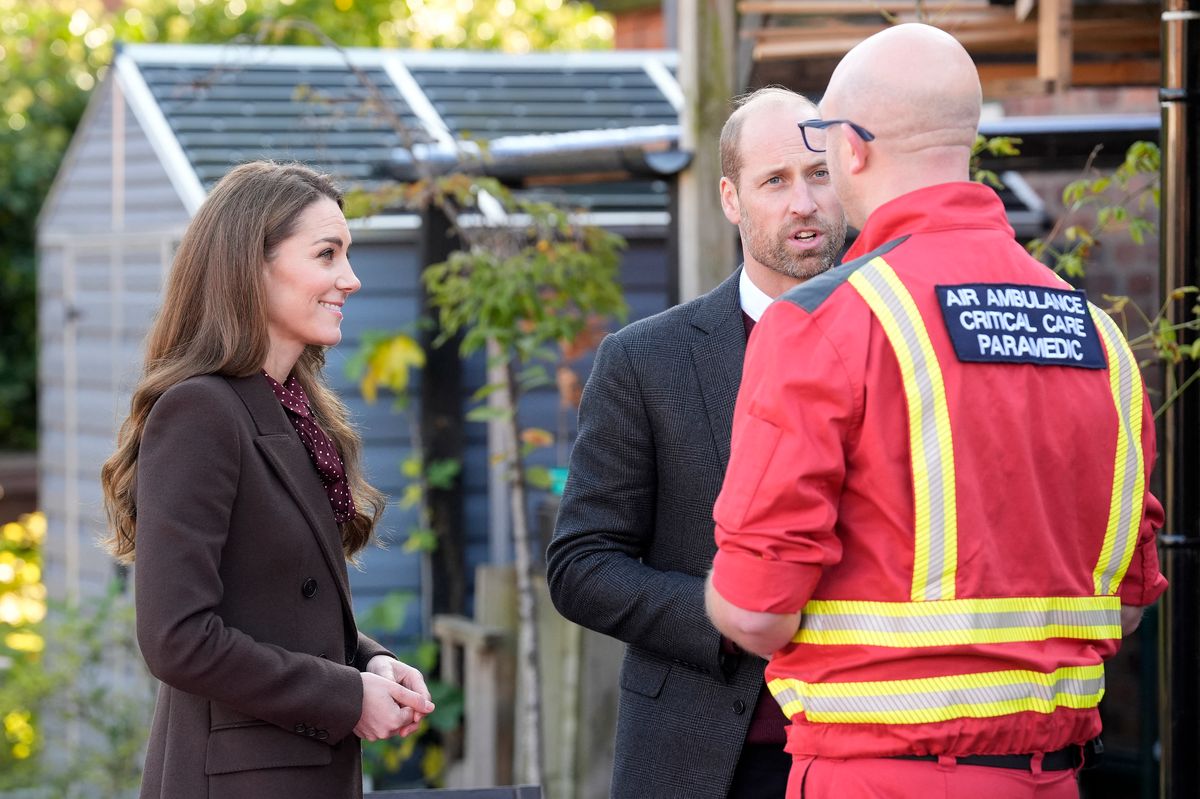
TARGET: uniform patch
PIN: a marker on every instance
(1007, 323)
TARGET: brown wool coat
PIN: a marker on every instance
(243, 604)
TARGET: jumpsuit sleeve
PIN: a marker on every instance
(776, 515)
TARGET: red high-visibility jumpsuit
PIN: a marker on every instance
(941, 457)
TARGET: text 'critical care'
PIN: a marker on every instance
(1005, 323)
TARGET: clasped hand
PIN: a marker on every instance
(395, 700)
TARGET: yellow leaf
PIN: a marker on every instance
(389, 366)
(24, 642)
(433, 763)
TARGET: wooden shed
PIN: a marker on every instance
(167, 121)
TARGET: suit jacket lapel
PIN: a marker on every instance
(717, 356)
(282, 448)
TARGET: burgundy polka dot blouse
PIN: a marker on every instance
(320, 448)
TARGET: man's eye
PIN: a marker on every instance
(774, 181)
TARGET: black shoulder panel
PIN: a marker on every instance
(811, 293)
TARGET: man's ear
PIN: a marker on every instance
(729, 201)
(857, 161)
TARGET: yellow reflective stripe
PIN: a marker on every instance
(958, 622)
(935, 559)
(1125, 505)
(934, 699)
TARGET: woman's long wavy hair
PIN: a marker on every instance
(213, 321)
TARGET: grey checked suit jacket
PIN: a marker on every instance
(634, 539)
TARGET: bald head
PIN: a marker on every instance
(913, 86)
(916, 89)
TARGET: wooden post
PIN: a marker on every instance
(479, 659)
(1054, 53)
(707, 64)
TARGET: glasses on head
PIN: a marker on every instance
(814, 134)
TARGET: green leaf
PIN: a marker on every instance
(421, 539)
(485, 391)
(1165, 332)
(442, 473)
(488, 413)
(1073, 192)
(411, 496)
(410, 467)
(388, 614)
(450, 705)
(538, 477)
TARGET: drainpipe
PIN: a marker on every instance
(1179, 698)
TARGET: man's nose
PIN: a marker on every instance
(802, 201)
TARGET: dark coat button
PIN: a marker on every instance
(300, 728)
(322, 735)
(349, 658)
(309, 588)
(739, 706)
(312, 733)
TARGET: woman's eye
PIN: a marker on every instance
(326, 254)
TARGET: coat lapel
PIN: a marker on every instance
(281, 447)
(717, 356)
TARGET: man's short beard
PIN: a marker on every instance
(802, 267)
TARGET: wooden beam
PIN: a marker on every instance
(1003, 80)
(1054, 42)
(1098, 36)
(841, 7)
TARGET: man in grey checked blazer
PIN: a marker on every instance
(634, 536)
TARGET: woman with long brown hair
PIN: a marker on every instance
(238, 486)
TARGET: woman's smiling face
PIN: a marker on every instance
(306, 282)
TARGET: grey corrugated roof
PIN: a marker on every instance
(224, 115)
(227, 105)
(486, 103)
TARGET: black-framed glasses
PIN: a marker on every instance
(813, 132)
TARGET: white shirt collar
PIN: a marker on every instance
(754, 300)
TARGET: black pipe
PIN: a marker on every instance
(1179, 698)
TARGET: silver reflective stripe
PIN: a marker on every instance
(958, 622)
(934, 699)
(933, 464)
(931, 700)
